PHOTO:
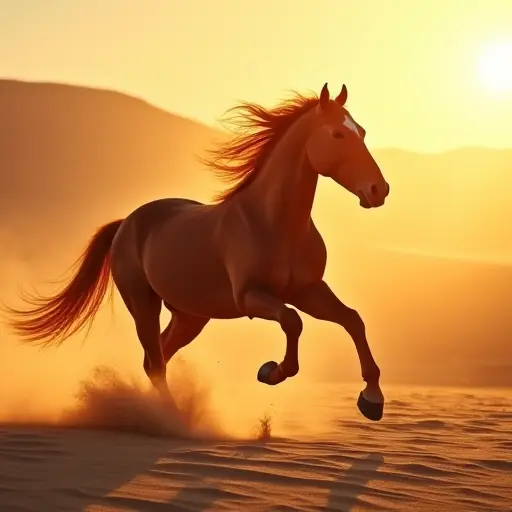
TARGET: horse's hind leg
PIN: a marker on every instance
(181, 331)
(145, 306)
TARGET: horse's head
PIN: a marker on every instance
(336, 149)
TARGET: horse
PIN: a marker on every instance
(254, 251)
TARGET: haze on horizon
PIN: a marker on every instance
(415, 76)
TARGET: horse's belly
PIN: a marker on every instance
(188, 276)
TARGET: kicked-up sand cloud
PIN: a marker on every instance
(108, 401)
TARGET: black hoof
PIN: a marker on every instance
(370, 410)
(264, 372)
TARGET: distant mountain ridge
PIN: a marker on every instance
(56, 90)
(78, 154)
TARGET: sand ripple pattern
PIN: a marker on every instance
(435, 451)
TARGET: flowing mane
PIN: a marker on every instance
(256, 131)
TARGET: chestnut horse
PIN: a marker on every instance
(252, 253)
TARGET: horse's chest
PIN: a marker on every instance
(291, 269)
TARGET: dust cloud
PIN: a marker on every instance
(107, 401)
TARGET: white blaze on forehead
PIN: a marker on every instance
(351, 125)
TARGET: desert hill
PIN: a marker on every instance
(73, 157)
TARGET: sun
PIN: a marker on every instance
(495, 67)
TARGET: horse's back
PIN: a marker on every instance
(152, 215)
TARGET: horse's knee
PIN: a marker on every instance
(291, 323)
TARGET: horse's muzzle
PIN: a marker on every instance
(374, 197)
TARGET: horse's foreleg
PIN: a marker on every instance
(320, 302)
(256, 303)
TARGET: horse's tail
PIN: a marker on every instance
(52, 319)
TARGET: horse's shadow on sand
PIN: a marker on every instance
(346, 491)
(86, 471)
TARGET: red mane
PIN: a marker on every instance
(256, 131)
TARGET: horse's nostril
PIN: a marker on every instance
(374, 190)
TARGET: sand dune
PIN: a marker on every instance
(435, 450)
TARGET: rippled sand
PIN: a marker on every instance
(435, 450)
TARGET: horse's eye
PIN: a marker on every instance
(337, 134)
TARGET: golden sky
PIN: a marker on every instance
(414, 69)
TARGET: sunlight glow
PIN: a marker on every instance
(495, 67)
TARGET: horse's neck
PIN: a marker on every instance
(284, 190)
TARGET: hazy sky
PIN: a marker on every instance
(411, 66)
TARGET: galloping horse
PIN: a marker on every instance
(253, 252)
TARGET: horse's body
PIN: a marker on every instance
(251, 254)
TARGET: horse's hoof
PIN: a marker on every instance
(264, 372)
(371, 410)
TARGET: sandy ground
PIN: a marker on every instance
(119, 449)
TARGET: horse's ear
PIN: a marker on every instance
(323, 102)
(342, 96)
